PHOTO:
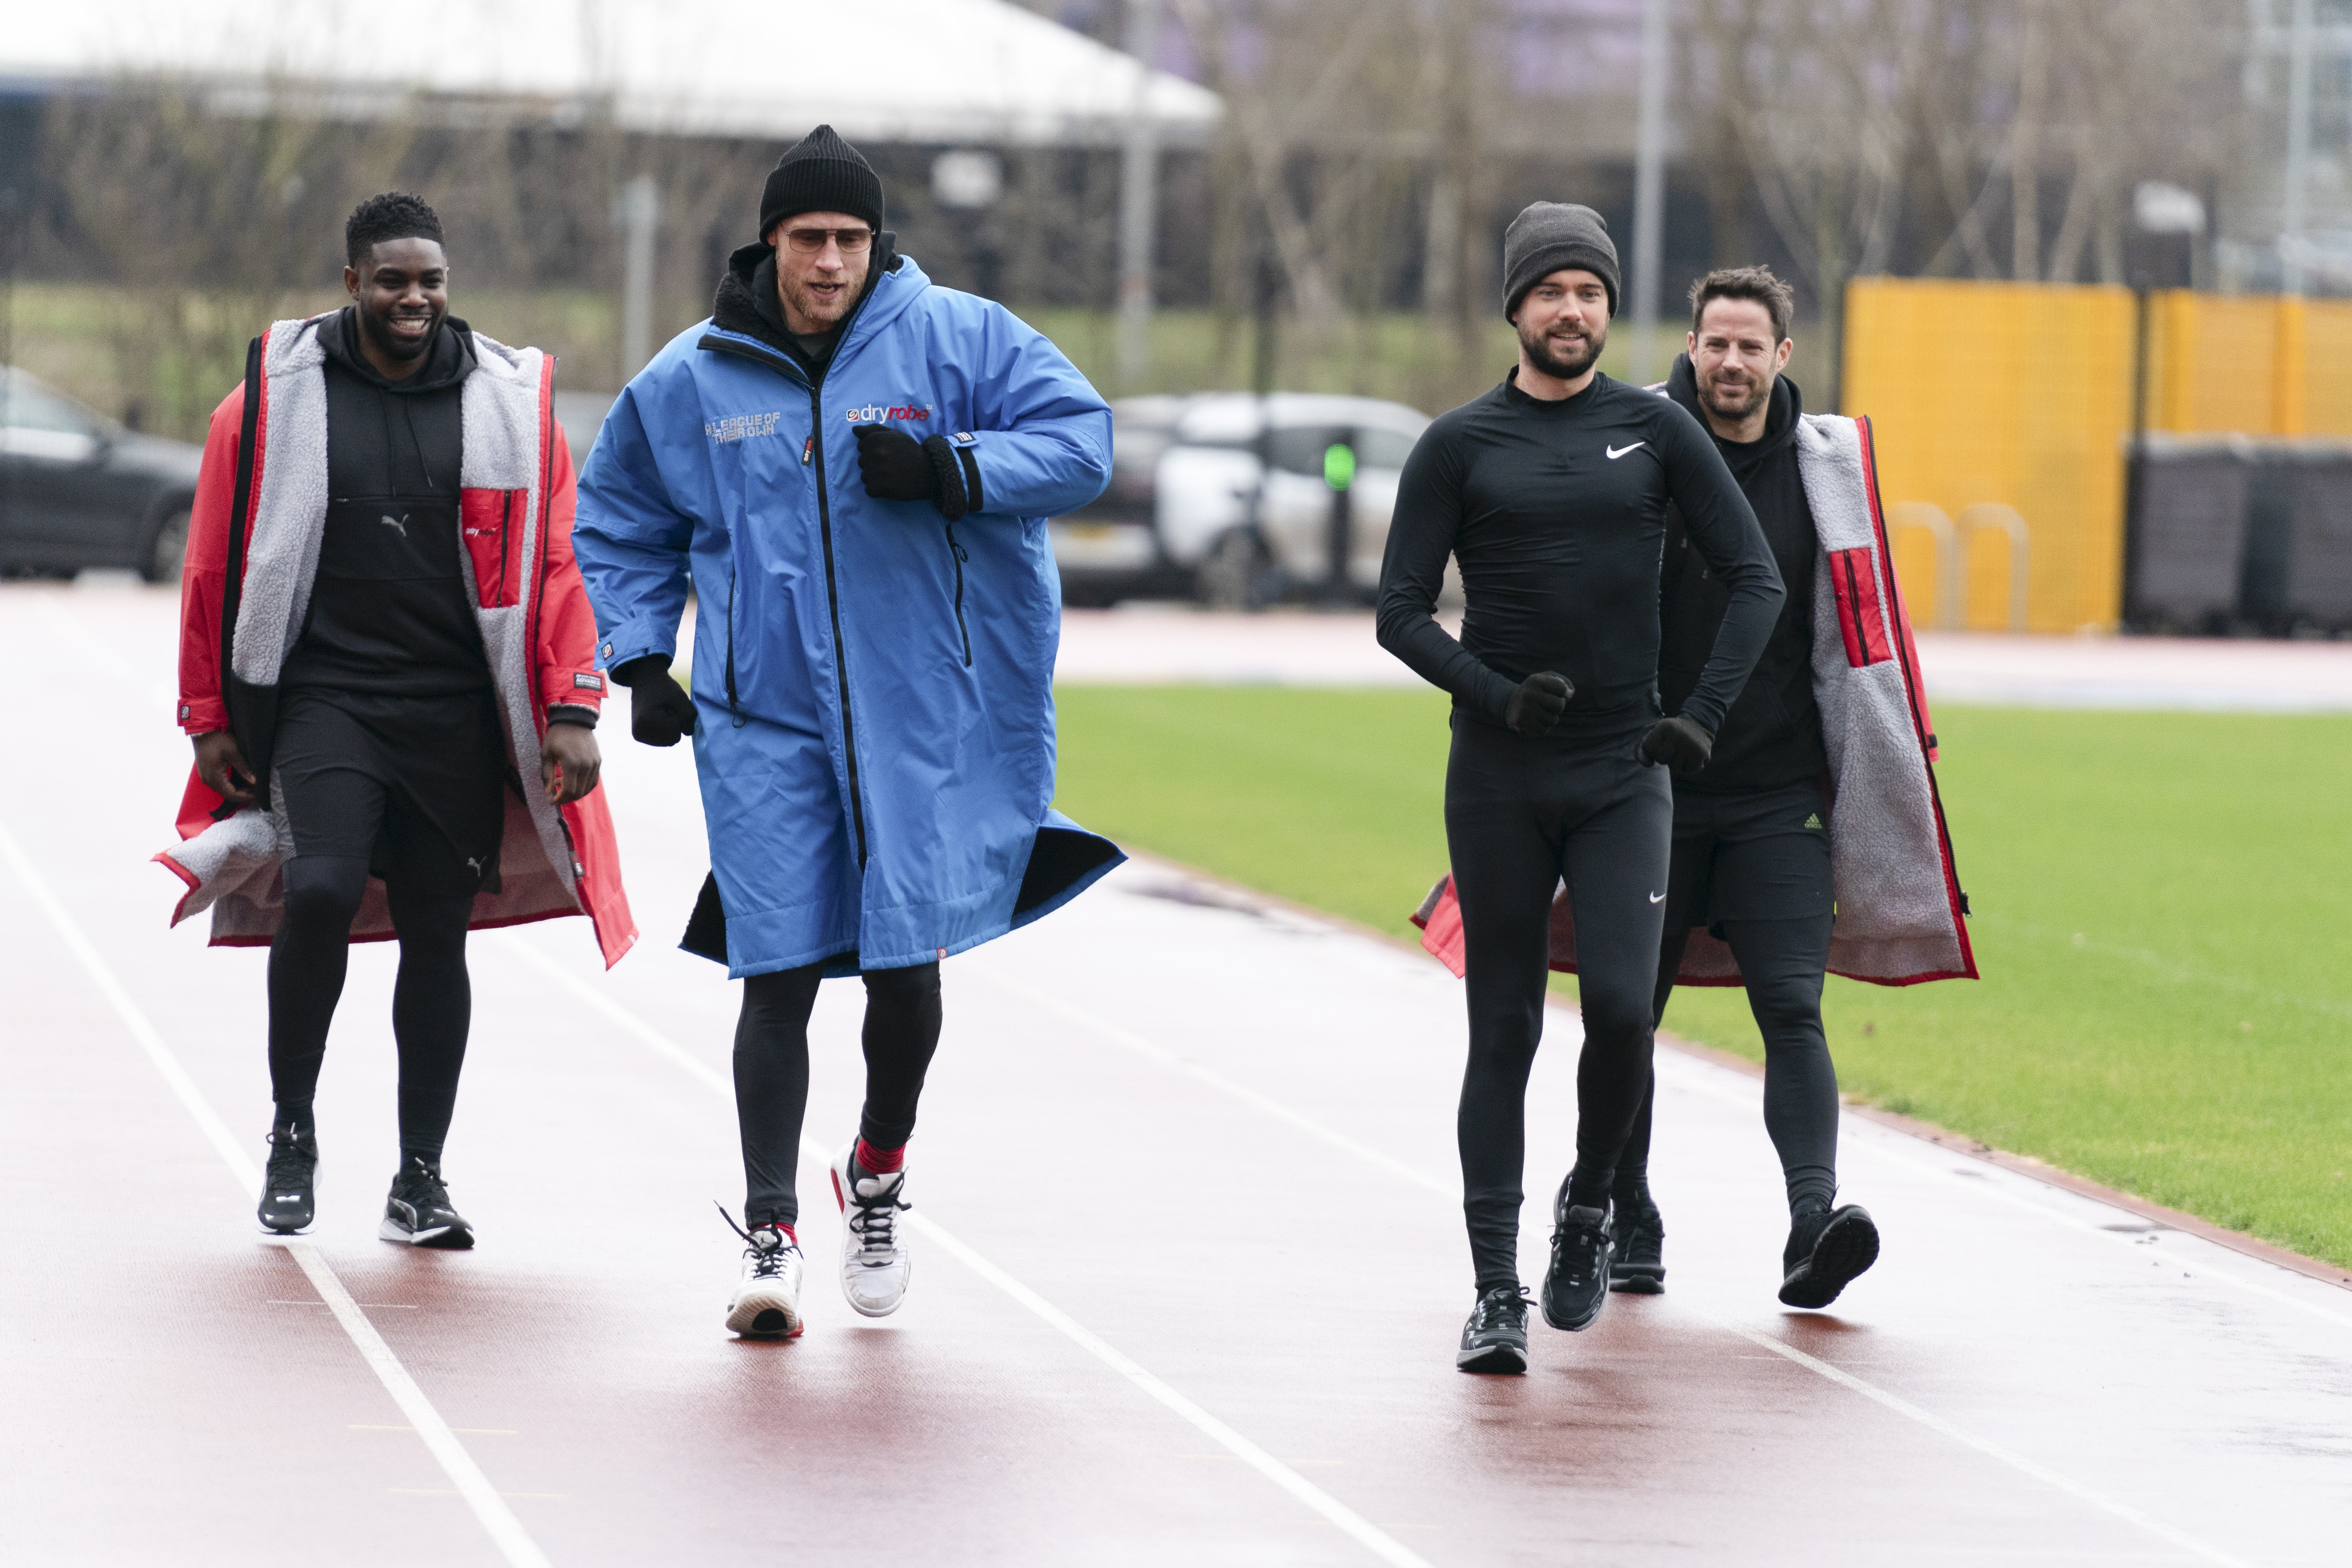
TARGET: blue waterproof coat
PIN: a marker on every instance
(872, 685)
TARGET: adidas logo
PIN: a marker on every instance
(1814, 820)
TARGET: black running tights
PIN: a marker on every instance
(771, 1073)
(1520, 815)
(1783, 962)
(432, 999)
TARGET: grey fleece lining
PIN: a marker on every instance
(1897, 918)
(236, 864)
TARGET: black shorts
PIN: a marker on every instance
(1761, 854)
(415, 785)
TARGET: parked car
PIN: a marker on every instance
(77, 490)
(1229, 497)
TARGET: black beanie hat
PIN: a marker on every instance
(821, 174)
(1548, 235)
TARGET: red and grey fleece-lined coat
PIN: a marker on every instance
(1899, 904)
(253, 552)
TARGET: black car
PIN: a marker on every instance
(77, 490)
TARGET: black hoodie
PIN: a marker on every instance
(390, 612)
(1772, 735)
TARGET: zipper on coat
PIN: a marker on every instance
(733, 713)
(957, 550)
(832, 602)
(506, 540)
(813, 452)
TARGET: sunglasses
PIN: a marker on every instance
(809, 241)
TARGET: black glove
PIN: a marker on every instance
(1679, 743)
(897, 467)
(659, 710)
(1537, 702)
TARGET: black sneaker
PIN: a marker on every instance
(418, 1211)
(1576, 1286)
(289, 1194)
(1496, 1337)
(1638, 1266)
(1824, 1254)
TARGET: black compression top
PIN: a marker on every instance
(1557, 512)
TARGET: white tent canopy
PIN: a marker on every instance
(879, 71)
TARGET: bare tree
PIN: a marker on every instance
(212, 223)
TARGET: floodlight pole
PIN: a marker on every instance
(1139, 201)
(1650, 187)
(639, 212)
(2298, 148)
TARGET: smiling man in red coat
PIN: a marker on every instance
(387, 669)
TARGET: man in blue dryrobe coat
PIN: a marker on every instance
(855, 465)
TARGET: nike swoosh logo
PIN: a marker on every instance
(1617, 452)
(1654, 897)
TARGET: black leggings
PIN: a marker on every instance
(1520, 815)
(771, 1073)
(432, 999)
(1783, 962)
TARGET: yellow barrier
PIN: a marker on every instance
(2002, 411)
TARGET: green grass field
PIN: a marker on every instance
(2163, 903)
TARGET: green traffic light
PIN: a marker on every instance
(1339, 465)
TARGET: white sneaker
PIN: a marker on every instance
(767, 1302)
(874, 1266)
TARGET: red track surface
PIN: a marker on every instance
(1225, 1337)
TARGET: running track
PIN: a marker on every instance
(1190, 1266)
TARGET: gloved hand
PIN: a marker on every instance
(1679, 743)
(897, 467)
(1537, 702)
(893, 465)
(659, 710)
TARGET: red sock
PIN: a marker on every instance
(879, 1162)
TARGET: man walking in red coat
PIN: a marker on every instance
(387, 668)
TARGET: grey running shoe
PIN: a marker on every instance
(876, 1266)
(767, 1299)
(1824, 1254)
(418, 1213)
(290, 1195)
(1496, 1337)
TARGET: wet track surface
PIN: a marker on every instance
(1188, 1277)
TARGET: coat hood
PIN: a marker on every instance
(1779, 420)
(449, 361)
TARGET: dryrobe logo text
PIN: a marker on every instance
(875, 411)
(740, 426)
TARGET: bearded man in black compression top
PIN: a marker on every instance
(1551, 493)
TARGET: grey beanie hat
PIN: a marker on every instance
(1548, 235)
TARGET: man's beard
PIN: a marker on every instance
(1540, 354)
(807, 302)
(390, 345)
(1712, 393)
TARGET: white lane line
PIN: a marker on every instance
(1153, 1051)
(1349, 1523)
(496, 1520)
(1997, 1182)
(2040, 1472)
(1835, 1374)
